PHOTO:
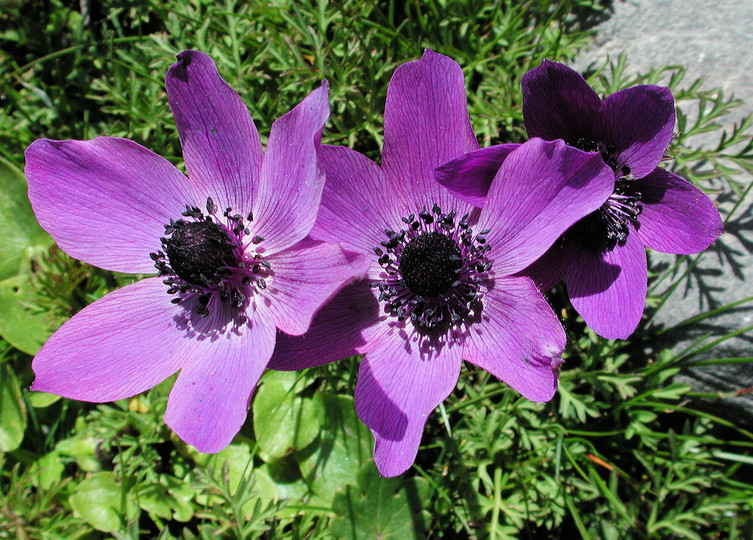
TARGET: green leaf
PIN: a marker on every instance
(12, 411)
(23, 324)
(283, 421)
(22, 235)
(381, 507)
(40, 400)
(99, 500)
(344, 445)
(47, 470)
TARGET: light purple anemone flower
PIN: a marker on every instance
(602, 258)
(441, 287)
(230, 244)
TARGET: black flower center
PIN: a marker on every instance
(200, 252)
(430, 263)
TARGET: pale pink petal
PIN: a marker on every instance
(397, 389)
(609, 289)
(519, 339)
(221, 146)
(106, 201)
(291, 178)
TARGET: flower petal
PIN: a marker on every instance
(396, 391)
(541, 189)
(357, 203)
(468, 177)
(117, 347)
(609, 289)
(519, 339)
(304, 277)
(549, 269)
(221, 146)
(209, 401)
(558, 103)
(335, 332)
(426, 124)
(676, 216)
(106, 201)
(291, 179)
(638, 122)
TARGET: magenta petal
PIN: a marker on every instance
(638, 122)
(676, 216)
(291, 179)
(357, 203)
(221, 146)
(397, 389)
(468, 177)
(426, 124)
(609, 289)
(119, 346)
(549, 269)
(558, 103)
(106, 201)
(209, 401)
(519, 339)
(335, 332)
(541, 190)
(305, 277)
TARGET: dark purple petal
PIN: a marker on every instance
(397, 389)
(676, 216)
(549, 269)
(209, 401)
(426, 124)
(519, 339)
(117, 347)
(609, 289)
(106, 201)
(558, 103)
(638, 123)
(221, 146)
(541, 189)
(291, 179)
(357, 203)
(305, 277)
(335, 332)
(468, 177)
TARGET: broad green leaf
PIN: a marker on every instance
(47, 470)
(154, 499)
(12, 411)
(344, 445)
(381, 508)
(280, 480)
(99, 500)
(82, 450)
(23, 324)
(40, 400)
(283, 421)
(22, 235)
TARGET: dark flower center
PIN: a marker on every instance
(434, 269)
(201, 252)
(430, 263)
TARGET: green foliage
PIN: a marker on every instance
(622, 451)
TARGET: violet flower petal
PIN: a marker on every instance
(291, 179)
(558, 103)
(335, 332)
(468, 177)
(520, 339)
(639, 122)
(221, 146)
(396, 391)
(305, 277)
(676, 216)
(121, 345)
(609, 289)
(549, 269)
(105, 201)
(209, 401)
(426, 124)
(553, 186)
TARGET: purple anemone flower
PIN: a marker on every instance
(441, 287)
(602, 258)
(230, 245)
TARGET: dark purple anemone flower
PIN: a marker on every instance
(230, 244)
(441, 287)
(602, 258)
